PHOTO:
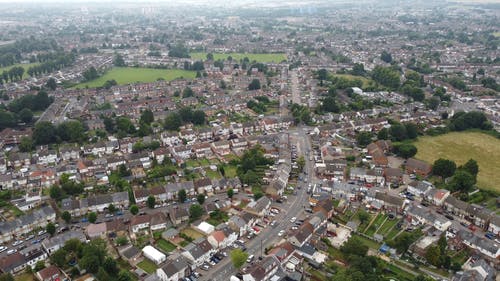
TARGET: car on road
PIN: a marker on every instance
(489, 235)
(11, 251)
(281, 233)
(273, 223)
(292, 220)
(17, 242)
(3, 248)
(205, 266)
(41, 232)
(30, 237)
(295, 227)
(250, 258)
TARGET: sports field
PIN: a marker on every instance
(366, 81)
(275, 57)
(462, 146)
(127, 75)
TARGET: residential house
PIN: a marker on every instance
(437, 196)
(198, 252)
(221, 148)
(419, 188)
(12, 263)
(179, 215)
(260, 207)
(418, 167)
(51, 273)
(174, 269)
(57, 242)
(203, 185)
(138, 223)
(301, 235)
(33, 254)
(262, 270)
(158, 221)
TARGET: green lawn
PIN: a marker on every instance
(462, 146)
(496, 34)
(213, 174)
(165, 246)
(370, 243)
(376, 223)
(388, 225)
(366, 81)
(276, 57)
(127, 75)
(230, 171)
(147, 266)
(23, 65)
(24, 277)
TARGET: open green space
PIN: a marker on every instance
(462, 146)
(165, 246)
(26, 66)
(147, 266)
(25, 277)
(127, 75)
(192, 233)
(496, 34)
(366, 81)
(370, 243)
(275, 57)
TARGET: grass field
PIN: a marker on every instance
(127, 75)
(462, 146)
(25, 277)
(165, 246)
(147, 266)
(496, 34)
(192, 233)
(24, 65)
(365, 81)
(387, 226)
(277, 57)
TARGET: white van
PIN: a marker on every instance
(250, 258)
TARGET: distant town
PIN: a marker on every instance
(250, 141)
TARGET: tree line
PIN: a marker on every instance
(12, 53)
(53, 63)
(21, 109)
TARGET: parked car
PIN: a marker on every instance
(3, 248)
(17, 242)
(281, 233)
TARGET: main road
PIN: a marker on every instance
(293, 207)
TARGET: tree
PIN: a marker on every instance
(39, 266)
(6, 277)
(118, 60)
(383, 134)
(172, 122)
(405, 150)
(151, 202)
(363, 216)
(433, 103)
(111, 208)
(386, 76)
(472, 167)
(110, 266)
(198, 117)
(462, 181)
(254, 85)
(59, 257)
(66, 216)
(25, 115)
(411, 130)
(398, 132)
(322, 75)
(124, 276)
(92, 216)
(134, 210)
(147, 117)
(121, 240)
(181, 195)
(90, 74)
(55, 192)
(432, 255)
(238, 258)
(50, 228)
(187, 92)
(200, 198)
(195, 212)
(51, 84)
(444, 168)
(230, 193)
(354, 246)
(386, 57)
(301, 163)
(26, 144)
(402, 242)
(364, 138)
(44, 133)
